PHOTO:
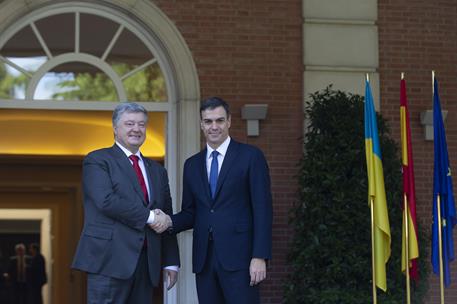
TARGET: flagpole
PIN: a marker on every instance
(405, 214)
(373, 254)
(438, 206)
(406, 226)
(440, 247)
(373, 251)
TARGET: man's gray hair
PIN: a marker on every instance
(129, 107)
(19, 246)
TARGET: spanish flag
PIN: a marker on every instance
(376, 192)
(408, 190)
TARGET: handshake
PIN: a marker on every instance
(162, 221)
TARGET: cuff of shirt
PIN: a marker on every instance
(151, 217)
(174, 268)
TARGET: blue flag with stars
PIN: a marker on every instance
(442, 188)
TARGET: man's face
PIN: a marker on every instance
(215, 125)
(130, 130)
(20, 251)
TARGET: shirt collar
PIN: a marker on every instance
(127, 152)
(222, 149)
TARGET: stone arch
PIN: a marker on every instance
(183, 120)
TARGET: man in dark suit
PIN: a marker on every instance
(18, 274)
(37, 275)
(227, 200)
(121, 254)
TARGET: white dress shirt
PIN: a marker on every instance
(145, 176)
(222, 150)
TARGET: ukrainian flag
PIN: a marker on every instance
(376, 192)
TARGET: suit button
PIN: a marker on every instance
(212, 211)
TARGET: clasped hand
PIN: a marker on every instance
(162, 221)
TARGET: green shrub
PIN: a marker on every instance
(330, 255)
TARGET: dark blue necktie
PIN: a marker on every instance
(213, 172)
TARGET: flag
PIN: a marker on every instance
(442, 187)
(408, 189)
(376, 192)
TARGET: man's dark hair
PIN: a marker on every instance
(212, 103)
(35, 247)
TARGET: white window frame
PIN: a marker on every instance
(183, 123)
(76, 56)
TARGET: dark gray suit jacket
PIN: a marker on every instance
(115, 216)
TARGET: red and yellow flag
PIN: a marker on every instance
(408, 189)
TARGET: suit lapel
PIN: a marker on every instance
(153, 181)
(203, 172)
(127, 168)
(227, 164)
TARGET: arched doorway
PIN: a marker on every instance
(48, 73)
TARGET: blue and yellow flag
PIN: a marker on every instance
(442, 187)
(376, 191)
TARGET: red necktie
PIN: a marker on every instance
(139, 174)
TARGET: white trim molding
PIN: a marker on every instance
(183, 90)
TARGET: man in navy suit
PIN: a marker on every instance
(227, 201)
(121, 254)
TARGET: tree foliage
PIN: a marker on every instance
(330, 255)
(145, 85)
(10, 83)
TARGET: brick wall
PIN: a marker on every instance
(415, 37)
(251, 52)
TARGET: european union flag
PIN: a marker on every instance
(442, 187)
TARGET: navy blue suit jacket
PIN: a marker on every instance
(115, 216)
(240, 215)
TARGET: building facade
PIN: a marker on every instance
(168, 55)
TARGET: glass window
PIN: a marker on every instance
(61, 132)
(12, 82)
(76, 81)
(96, 34)
(147, 84)
(58, 33)
(80, 56)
